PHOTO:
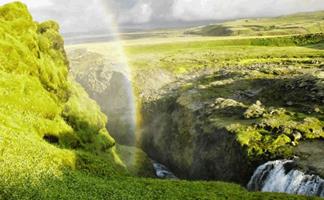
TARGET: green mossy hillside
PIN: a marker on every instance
(36, 90)
(48, 122)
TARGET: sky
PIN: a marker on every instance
(100, 15)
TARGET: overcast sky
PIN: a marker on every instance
(98, 15)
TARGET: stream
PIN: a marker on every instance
(161, 171)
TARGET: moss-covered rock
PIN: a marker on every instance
(255, 111)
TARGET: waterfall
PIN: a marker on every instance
(278, 176)
(162, 171)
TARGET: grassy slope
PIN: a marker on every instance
(302, 23)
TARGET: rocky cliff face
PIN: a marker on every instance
(221, 125)
(110, 86)
(310, 157)
(177, 133)
(178, 130)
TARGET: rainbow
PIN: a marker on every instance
(114, 50)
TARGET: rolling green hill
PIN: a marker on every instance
(302, 23)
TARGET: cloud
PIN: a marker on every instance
(99, 15)
(36, 3)
(143, 11)
(140, 12)
(72, 15)
(189, 10)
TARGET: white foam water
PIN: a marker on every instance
(162, 171)
(274, 176)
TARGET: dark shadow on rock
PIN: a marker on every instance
(120, 108)
(115, 99)
(108, 84)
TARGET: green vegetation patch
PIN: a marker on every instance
(275, 135)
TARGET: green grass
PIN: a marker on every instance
(184, 57)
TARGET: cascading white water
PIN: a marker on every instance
(162, 171)
(275, 176)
